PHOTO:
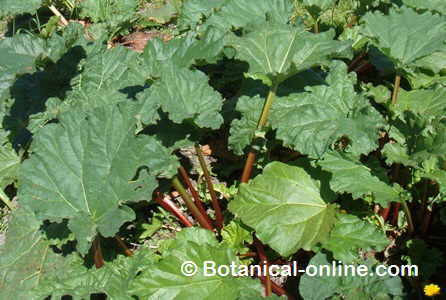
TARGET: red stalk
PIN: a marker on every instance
(264, 261)
(97, 253)
(124, 247)
(215, 204)
(194, 193)
(173, 209)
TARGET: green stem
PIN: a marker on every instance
(260, 124)
(316, 26)
(218, 214)
(6, 200)
(190, 204)
(396, 88)
(409, 217)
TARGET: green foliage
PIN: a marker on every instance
(349, 287)
(91, 131)
(405, 36)
(284, 201)
(350, 234)
(275, 52)
(97, 157)
(304, 121)
(17, 7)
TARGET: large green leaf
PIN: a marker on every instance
(84, 169)
(10, 8)
(351, 176)
(112, 11)
(18, 56)
(164, 279)
(243, 130)
(428, 103)
(435, 5)
(186, 94)
(370, 287)
(313, 121)
(275, 52)
(193, 11)
(26, 258)
(286, 208)
(9, 165)
(182, 52)
(404, 35)
(114, 279)
(351, 234)
(239, 13)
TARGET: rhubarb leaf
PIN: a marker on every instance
(186, 94)
(243, 130)
(348, 286)
(404, 35)
(85, 168)
(307, 124)
(275, 52)
(17, 7)
(349, 175)
(351, 234)
(236, 14)
(164, 279)
(285, 207)
(427, 103)
(434, 5)
(114, 279)
(26, 258)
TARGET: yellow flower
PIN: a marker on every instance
(432, 290)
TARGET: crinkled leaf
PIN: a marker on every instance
(182, 52)
(160, 12)
(17, 7)
(18, 56)
(351, 234)
(349, 287)
(236, 236)
(313, 121)
(114, 279)
(26, 258)
(285, 207)
(186, 94)
(239, 13)
(83, 169)
(193, 11)
(435, 62)
(435, 5)
(428, 103)
(275, 52)
(404, 35)
(351, 176)
(243, 130)
(111, 11)
(9, 165)
(164, 279)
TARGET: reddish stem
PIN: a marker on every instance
(191, 205)
(124, 247)
(173, 209)
(97, 253)
(396, 208)
(264, 261)
(194, 193)
(384, 213)
(356, 60)
(248, 254)
(247, 170)
(215, 204)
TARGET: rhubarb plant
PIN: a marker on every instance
(140, 139)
